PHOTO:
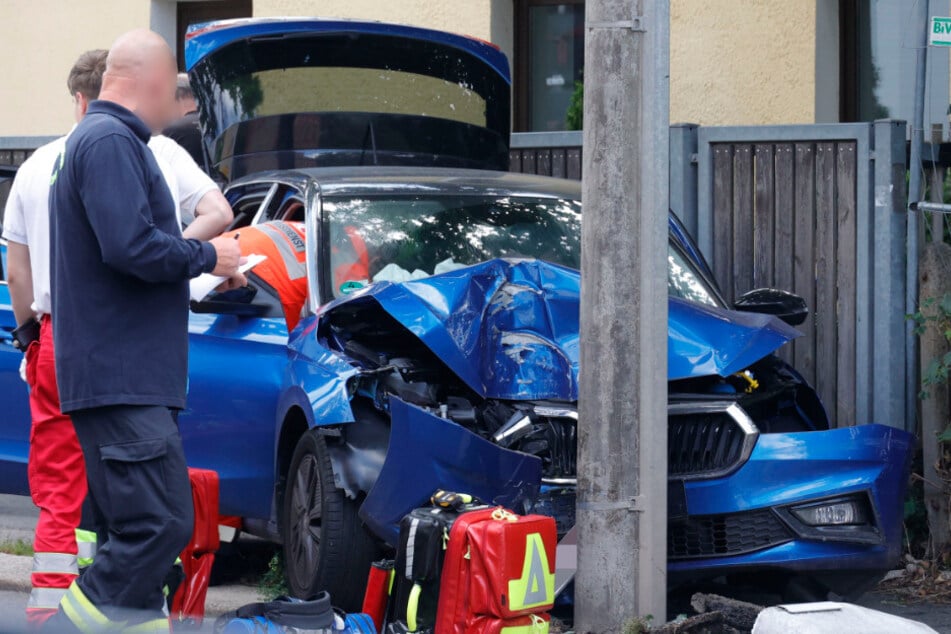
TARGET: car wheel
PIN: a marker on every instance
(326, 546)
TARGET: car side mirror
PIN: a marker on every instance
(770, 301)
(234, 302)
(239, 309)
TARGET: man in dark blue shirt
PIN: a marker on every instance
(119, 272)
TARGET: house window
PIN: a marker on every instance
(549, 58)
(877, 64)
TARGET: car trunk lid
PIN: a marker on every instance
(291, 93)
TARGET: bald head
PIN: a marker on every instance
(138, 51)
(140, 75)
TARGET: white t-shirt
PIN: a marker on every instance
(26, 216)
(190, 181)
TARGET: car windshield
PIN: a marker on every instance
(397, 239)
(403, 238)
(684, 281)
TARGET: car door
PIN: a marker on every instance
(15, 419)
(236, 369)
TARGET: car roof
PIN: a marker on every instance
(364, 180)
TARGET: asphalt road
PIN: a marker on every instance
(12, 617)
(17, 517)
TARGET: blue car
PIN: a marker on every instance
(451, 360)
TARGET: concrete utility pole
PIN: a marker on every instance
(622, 450)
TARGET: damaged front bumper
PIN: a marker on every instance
(818, 503)
(810, 502)
(427, 453)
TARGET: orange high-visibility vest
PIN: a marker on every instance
(285, 269)
(350, 259)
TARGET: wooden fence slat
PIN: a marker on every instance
(742, 219)
(558, 163)
(825, 272)
(763, 216)
(723, 217)
(784, 199)
(846, 167)
(573, 163)
(529, 161)
(804, 275)
(543, 162)
(515, 161)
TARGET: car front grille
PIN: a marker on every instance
(707, 440)
(724, 535)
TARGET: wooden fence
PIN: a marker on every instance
(816, 210)
(784, 217)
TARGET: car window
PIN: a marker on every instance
(684, 281)
(245, 201)
(286, 204)
(374, 239)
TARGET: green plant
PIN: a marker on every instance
(16, 547)
(574, 117)
(639, 625)
(273, 584)
(935, 312)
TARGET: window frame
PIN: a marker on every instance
(521, 97)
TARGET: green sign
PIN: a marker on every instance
(940, 32)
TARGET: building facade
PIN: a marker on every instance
(732, 62)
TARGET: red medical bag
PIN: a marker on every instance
(498, 573)
(188, 607)
(531, 624)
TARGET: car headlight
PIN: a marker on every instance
(847, 518)
(833, 513)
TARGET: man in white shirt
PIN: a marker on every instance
(56, 471)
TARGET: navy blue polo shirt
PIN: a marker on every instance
(119, 269)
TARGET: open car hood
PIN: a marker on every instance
(285, 93)
(509, 328)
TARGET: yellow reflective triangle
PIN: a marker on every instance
(536, 586)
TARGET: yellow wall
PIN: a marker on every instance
(731, 61)
(39, 42)
(487, 19)
(742, 62)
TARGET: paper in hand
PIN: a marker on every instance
(202, 285)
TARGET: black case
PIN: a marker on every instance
(419, 560)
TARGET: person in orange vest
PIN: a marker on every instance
(285, 269)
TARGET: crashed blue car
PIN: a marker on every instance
(451, 360)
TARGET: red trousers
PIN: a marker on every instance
(57, 476)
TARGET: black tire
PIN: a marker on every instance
(326, 546)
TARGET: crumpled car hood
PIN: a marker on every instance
(509, 328)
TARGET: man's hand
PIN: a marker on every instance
(237, 280)
(229, 256)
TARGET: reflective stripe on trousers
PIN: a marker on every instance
(155, 626)
(49, 567)
(88, 619)
(57, 563)
(45, 598)
(83, 614)
(86, 543)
